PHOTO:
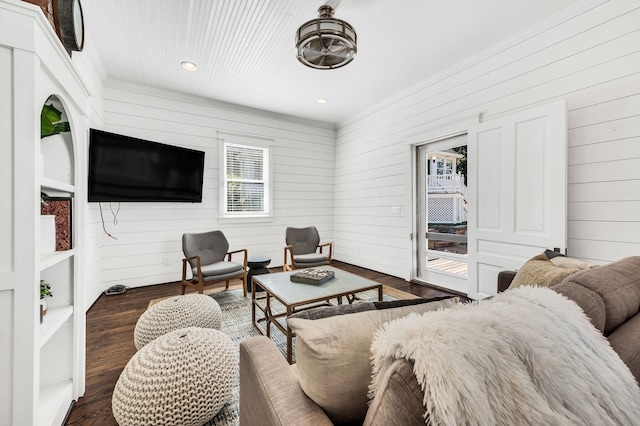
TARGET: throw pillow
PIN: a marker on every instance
(352, 308)
(571, 263)
(552, 254)
(333, 357)
(540, 272)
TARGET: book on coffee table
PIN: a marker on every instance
(312, 276)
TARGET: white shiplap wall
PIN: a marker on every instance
(89, 67)
(149, 233)
(588, 55)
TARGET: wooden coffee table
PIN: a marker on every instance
(296, 296)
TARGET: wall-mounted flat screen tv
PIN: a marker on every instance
(123, 168)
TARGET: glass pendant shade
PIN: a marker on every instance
(326, 42)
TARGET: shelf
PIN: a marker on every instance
(47, 183)
(49, 259)
(55, 400)
(53, 320)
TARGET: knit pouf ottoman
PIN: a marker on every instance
(184, 377)
(192, 310)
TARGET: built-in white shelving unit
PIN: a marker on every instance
(50, 184)
(42, 364)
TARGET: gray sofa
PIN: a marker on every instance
(610, 296)
(271, 393)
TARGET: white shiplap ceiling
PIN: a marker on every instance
(245, 50)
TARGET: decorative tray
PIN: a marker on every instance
(312, 276)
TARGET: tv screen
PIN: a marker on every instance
(123, 168)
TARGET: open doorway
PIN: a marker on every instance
(442, 211)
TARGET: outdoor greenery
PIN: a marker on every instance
(461, 164)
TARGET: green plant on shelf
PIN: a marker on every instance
(45, 290)
(50, 122)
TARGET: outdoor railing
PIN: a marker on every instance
(446, 184)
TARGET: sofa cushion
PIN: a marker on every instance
(617, 284)
(398, 399)
(590, 301)
(539, 271)
(333, 357)
(627, 345)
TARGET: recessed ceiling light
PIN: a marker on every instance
(189, 66)
(322, 101)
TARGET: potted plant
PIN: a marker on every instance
(45, 291)
(51, 122)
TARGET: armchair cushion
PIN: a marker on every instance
(310, 258)
(302, 240)
(219, 268)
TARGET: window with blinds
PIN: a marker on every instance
(246, 179)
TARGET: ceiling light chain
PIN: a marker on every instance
(326, 42)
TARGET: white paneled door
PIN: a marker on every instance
(515, 198)
(517, 168)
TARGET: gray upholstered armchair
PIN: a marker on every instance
(205, 253)
(302, 249)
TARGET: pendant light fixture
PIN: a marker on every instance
(326, 43)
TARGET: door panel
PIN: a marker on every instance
(517, 192)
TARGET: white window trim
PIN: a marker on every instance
(249, 141)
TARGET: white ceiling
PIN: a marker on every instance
(245, 49)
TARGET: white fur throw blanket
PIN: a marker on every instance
(528, 356)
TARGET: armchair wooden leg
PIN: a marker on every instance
(184, 286)
(244, 285)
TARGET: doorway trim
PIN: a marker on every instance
(429, 135)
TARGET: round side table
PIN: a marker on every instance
(257, 266)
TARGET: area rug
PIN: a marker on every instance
(236, 322)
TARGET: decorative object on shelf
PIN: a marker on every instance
(69, 20)
(47, 233)
(60, 209)
(47, 9)
(326, 42)
(50, 122)
(45, 291)
(312, 276)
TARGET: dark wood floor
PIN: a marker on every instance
(110, 324)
